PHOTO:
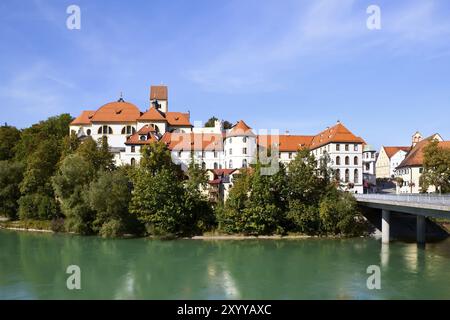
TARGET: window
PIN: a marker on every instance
(215, 154)
(133, 162)
(338, 161)
(215, 165)
(356, 176)
(367, 166)
(338, 147)
(338, 175)
(347, 161)
(231, 140)
(230, 152)
(203, 165)
(356, 147)
(355, 161)
(88, 132)
(105, 130)
(347, 175)
(230, 164)
(244, 139)
(143, 137)
(203, 154)
(128, 130)
(133, 149)
(421, 170)
(244, 151)
(347, 148)
(244, 163)
(373, 155)
(290, 155)
(179, 154)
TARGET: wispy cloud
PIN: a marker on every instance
(322, 29)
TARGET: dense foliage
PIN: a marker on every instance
(48, 175)
(436, 168)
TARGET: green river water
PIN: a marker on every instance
(33, 266)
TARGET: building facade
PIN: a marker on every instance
(128, 130)
(388, 160)
(369, 158)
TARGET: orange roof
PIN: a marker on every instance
(158, 92)
(337, 133)
(391, 151)
(415, 156)
(178, 119)
(119, 111)
(193, 141)
(225, 172)
(285, 142)
(136, 138)
(84, 118)
(153, 115)
(146, 129)
(240, 129)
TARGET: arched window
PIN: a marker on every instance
(88, 132)
(105, 130)
(338, 175)
(128, 130)
(355, 161)
(347, 161)
(338, 161)
(244, 139)
(356, 176)
(133, 162)
(203, 165)
(347, 175)
(230, 165)
(215, 165)
(244, 163)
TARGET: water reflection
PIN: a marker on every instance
(33, 266)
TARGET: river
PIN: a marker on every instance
(33, 266)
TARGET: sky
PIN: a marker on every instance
(297, 65)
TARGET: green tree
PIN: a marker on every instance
(158, 194)
(198, 213)
(211, 121)
(436, 168)
(71, 185)
(97, 154)
(109, 197)
(9, 137)
(11, 174)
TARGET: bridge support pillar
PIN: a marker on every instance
(421, 229)
(385, 217)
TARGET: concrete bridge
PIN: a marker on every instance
(422, 206)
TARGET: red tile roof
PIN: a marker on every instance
(119, 111)
(146, 129)
(193, 141)
(84, 118)
(158, 92)
(415, 157)
(178, 119)
(153, 115)
(135, 139)
(335, 134)
(224, 172)
(240, 129)
(391, 151)
(285, 142)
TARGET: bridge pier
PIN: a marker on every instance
(385, 217)
(421, 229)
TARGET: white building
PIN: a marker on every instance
(127, 130)
(369, 159)
(388, 160)
(409, 171)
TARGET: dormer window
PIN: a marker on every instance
(143, 138)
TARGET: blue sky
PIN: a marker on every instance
(287, 65)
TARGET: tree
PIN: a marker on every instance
(211, 122)
(97, 155)
(70, 145)
(11, 174)
(9, 137)
(109, 196)
(158, 194)
(436, 168)
(198, 213)
(71, 185)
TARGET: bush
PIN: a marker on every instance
(37, 206)
(111, 229)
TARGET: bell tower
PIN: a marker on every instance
(159, 98)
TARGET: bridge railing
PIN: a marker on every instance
(410, 198)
